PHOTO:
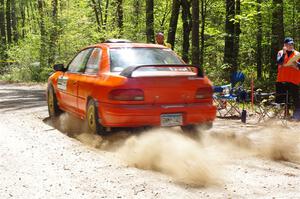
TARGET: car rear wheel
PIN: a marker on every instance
(206, 126)
(92, 119)
(190, 129)
(53, 108)
(196, 128)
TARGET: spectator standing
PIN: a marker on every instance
(160, 39)
(288, 76)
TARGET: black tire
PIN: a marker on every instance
(192, 128)
(92, 119)
(206, 126)
(53, 108)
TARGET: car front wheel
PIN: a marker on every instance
(53, 107)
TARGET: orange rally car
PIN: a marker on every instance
(122, 84)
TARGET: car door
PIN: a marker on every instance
(87, 83)
(68, 82)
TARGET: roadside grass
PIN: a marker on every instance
(25, 74)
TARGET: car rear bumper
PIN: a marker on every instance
(113, 115)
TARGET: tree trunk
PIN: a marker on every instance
(23, 18)
(106, 14)
(195, 32)
(186, 22)
(53, 33)
(94, 6)
(173, 22)
(229, 37)
(100, 11)
(43, 34)
(8, 22)
(294, 30)
(2, 31)
(277, 34)
(203, 19)
(237, 32)
(120, 16)
(136, 17)
(149, 21)
(14, 21)
(259, 41)
(165, 14)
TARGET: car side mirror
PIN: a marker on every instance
(59, 67)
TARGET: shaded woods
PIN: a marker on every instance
(222, 36)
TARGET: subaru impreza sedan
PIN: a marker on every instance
(122, 84)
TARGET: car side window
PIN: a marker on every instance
(79, 62)
(92, 65)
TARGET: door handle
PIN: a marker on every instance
(74, 82)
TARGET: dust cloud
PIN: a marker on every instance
(279, 144)
(91, 140)
(174, 154)
(162, 150)
(276, 143)
(68, 125)
(196, 161)
(76, 128)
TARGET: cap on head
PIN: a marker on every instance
(159, 34)
(288, 40)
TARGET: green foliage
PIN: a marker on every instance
(31, 73)
(26, 57)
(76, 27)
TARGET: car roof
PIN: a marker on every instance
(128, 45)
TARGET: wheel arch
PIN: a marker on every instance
(88, 100)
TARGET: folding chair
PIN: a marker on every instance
(268, 109)
(227, 97)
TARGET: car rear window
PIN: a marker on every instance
(121, 58)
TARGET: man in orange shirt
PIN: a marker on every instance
(288, 76)
(160, 39)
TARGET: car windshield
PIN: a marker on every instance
(121, 58)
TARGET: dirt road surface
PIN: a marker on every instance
(40, 158)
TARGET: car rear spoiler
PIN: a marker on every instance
(127, 72)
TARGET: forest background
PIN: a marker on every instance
(222, 36)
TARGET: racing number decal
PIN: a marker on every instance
(62, 83)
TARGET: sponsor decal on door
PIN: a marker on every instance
(62, 83)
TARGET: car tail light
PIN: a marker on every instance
(126, 95)
(204, 93)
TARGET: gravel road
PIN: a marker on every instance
(40, 158)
